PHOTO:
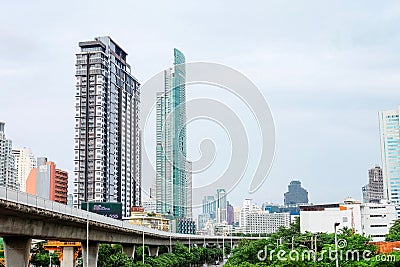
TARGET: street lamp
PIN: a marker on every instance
(50, 254)
(143, 239)
(87, 233)
(336, 244)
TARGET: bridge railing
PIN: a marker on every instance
(23, 198)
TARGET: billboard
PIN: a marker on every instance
(108, 209)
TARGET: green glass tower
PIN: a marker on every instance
(171, 141)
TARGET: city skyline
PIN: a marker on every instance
(360, 139)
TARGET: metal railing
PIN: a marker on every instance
(23, 198)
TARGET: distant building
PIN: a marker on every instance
(389, 126)
(260, 222)
(189, 189)
(236, 216)
(294, 210)
(369, 219)
(230, 215)
(185, 226)
(70, 200)
(296, 194)
(202, 220)
(8, 171)
(209, 206)
(221, 205)
(151, 220)
(245, 210)
(24, 163)
(149, 205)
(373, 191)
(48, 182)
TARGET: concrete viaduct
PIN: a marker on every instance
(23, 217)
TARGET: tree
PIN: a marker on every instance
(394, 232)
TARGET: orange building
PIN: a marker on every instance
(48, 182)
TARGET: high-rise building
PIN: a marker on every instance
(373, 191)
(389, 126)
(8, 172)
(107, 136)
(230, 215)
(48, 182)
(189, 197)
(171, 141)
(236, 216)
(209, 206)
(24, 163)
(296, 194)
(221, 205)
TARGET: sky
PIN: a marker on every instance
(325, 68)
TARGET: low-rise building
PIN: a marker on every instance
(150, 220)
(368, 219)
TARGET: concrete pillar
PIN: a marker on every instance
(16, 250)
(68, 257)
(153, 251)
(93, 253)
(129, 250)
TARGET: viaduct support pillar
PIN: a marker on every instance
(68, 257)
(129, 250)
(16, 250)
(93, 253)
(153, 251)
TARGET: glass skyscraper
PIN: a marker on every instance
(171, 196)
(390, 145)
(107, 136)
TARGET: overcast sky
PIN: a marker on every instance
(325, 67)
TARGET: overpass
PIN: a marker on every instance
(24, 216)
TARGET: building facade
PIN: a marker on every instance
(107, 136)
(189, 190)
(389, 126)
(24, 163)
(210, 206)
(221, 206)
(171, 163)
(373, 191)
(230, 215)
(370, 219)
(262, 222)
(48, 182)
(296, 194)
(8, 171)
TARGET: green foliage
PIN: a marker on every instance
(112, 256)
(394, 232)
(41, 258)
(245, 255)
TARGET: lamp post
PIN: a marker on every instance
(50, 254)
(143, 240)
(336, 244)
(87, 233)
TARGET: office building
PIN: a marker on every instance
(202, 220)
(189, 189)
(142, 218)
(389, 126)
(171, 141)
(262, 222)
(296, 194)
(236, 216)
(370, 219)
(247, 207)
(209, 206)
(373, 191)
(221, 206)
(230, 216)
(24, 163)
(107, 136)
(8, 172)
(48, 182)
